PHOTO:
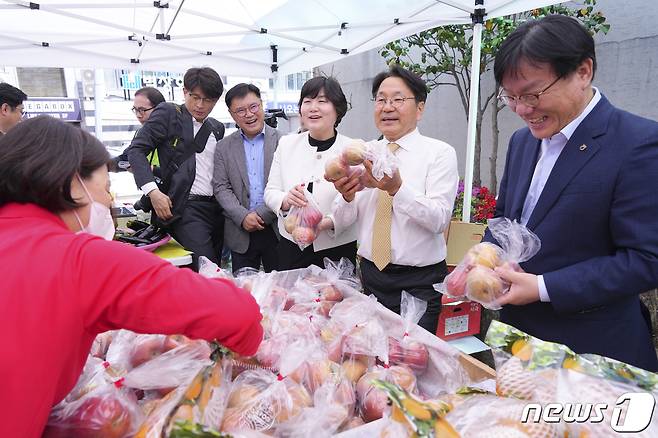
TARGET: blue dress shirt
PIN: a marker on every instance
(254, 152)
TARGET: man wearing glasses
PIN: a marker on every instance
(582, 176)
(11, 107)
(185, 139)
(242, 166)
(145, 101)
(402, 218)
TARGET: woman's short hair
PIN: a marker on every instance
(415, 83)
(557, 40)
(40, 157)
(332, 91)
(152, 94)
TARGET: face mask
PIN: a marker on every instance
(100, 218)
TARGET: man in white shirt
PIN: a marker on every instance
(582, 177)
(402, 218)
(185, 138)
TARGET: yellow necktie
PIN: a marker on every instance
(381, 230)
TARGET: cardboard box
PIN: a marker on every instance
(458, 319)
(461, 237)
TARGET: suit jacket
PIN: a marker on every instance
(231, 185)
(597, 218)
(168, 124)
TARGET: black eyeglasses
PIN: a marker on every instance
(242, 112)
(141, 111)
(530, 99)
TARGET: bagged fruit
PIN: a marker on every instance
(475, 277)
(403, 349)
(202, 400)
(260, 401)
(372, 400)
(302, 222)
(109, 411)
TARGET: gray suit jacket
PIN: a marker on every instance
(231, 186)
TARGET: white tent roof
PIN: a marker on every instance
(235, 37)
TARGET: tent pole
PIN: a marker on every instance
(478, 20)
(99, 96)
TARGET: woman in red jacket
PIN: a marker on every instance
(61, 284)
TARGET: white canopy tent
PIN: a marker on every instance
(255, 38)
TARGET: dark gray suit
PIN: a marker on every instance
(231, 187)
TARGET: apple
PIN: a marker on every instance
(303, 235)
(354, 153)
(319, 371)
(485, 254)
(330, 293)
(455, 282)
(290, 223)
(410, 353)
(353, 370)
(146, 348)
(269, 352)
(483, 285)
(103, 415)
(311, 217)
(335, 169)
(173, 341)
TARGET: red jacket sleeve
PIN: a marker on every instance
(124, 287)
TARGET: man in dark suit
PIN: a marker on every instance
(242, 166)
(185, 139)
(11, 107)
(582, 176)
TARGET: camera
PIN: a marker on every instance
(271, 116)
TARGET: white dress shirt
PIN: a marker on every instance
(295, 161)
(422, 207)
(202, 184)
(550, 151)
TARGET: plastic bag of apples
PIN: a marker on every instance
(352, 157)
(302, 222)
(475, 277)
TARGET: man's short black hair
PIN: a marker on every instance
(205, 78)
(40, 157)
(11, 95)
(239, 91)
(414, 82)
(332, 91)
(152, 94)
(557, 40)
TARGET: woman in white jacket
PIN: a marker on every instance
(299, 163)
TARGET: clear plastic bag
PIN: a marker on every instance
(302, 222)
(372, 401)
(210, 270)
(259, 400)
(403, 349)
(475, 277)
(384, 162)
(107, 411)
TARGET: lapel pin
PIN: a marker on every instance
(583, 147)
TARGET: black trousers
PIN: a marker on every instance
(387, 286)
(201, 229)
(291, 257)
(262, 249)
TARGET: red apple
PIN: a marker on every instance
(373, 404)
(455, 282)
(330, 293)
(303, 235)
(146, 349)
(102, 416)
(410, 353)
(311, 217)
